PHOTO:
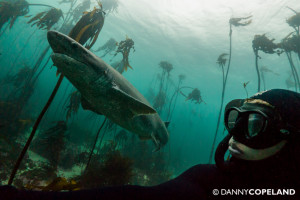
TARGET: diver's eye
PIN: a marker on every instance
(232, 117)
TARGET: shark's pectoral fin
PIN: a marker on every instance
(87, 106)
(134, 105)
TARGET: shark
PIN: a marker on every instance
(105, 91)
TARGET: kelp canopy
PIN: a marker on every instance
(291, 43)
(18, 79)
(88, 27)
(294, 21)
(166, 66)
(124, 47)
(221, 59)
(240, 21)
(262, 43)
(12, 10)
(45, 20)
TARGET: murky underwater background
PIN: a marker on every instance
(190, 35)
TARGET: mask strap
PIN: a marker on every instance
(220, 153)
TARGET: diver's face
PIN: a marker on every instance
(241, 151)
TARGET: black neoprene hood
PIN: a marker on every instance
(282, 109)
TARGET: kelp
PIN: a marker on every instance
(240, 21)
(124, 47)
(69, 156)
(159, 101)
(181, 77)
(45, 20)
(245, 87)
(9, 113)
(81, 8)
(222, 60)
(294, 21)
(20, 78)
(166, 66)
(165, 75)
(266, 45)
(35, 173)
(51, 142)
(10, 11)
(88, 28)
(113, 169)
(149, 168)
(233, 22)
(108, 47)
(95, 142)
(58, 184)
(74, 103)
(291, 43)
(21, 88)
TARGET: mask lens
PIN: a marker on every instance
(255, 124)
(232, 116)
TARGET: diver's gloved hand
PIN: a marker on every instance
(8, 192)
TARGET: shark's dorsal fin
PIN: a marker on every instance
(134, 105)
(87, 106)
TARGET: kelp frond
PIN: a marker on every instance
(74, 103)
(262, 43)
(10, 11)
(221, 59)
(166, 66)
(88, 28)
(294, 21)
(124, 47)
(45, 20)
(240, 21)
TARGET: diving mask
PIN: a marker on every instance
(255, 125)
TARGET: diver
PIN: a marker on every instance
(263, 141)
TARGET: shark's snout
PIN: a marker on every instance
(53, 39)
(63, 44)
